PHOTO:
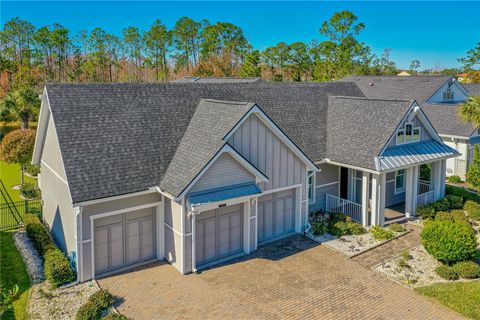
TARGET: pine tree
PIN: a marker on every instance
(251, 66)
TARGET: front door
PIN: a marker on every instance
(344, 183)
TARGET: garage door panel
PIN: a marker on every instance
(116, 236)
(148, 238)
(209, 239)
(101, 249)
(276, 215)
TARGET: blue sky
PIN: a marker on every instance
(432, 32)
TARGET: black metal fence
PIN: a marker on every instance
(12, 213)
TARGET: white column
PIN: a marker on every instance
(415, 180)
(378, 199)
(194, 247)
(443, 172)
(409, 192)
(246, 225)
(437, 179)
(365, 197)
(160, 210)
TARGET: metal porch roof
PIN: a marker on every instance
(224, 193)
(410, 154)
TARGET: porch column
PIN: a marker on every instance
(365, 197)
(411, 191)
(443, 173)
(437, 179)
(378, 199)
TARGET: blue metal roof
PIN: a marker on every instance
(474, 140)
(224, 193)
(410, 154)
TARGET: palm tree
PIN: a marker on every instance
(470, 111)
(20, 104)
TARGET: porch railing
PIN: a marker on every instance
(337, 205)
(425, 198)
(424, 186)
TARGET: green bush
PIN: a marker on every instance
(446, 272)
(449, 241)
(454, 179)
(319, 228)
(97, 304)
(473, 209)
(397, 227)
(441, 205)
(426, 212)
(339, 229)
(32, 169)
(467, 269)
(38, 234)
(29, 190)
(465, 194)
(456, 202)
(356, 228)
(473, 174)
(454, 215)
(57, 268)
(379, 233)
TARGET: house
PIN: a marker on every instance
(440, 98)
(199, 173)
(403, 74)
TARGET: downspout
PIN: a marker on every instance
(192, 214)
(78, 246)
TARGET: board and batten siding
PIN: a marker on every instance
(58, 210)
(264, 149)
(225, 171)
(424, 135)
(458, 94)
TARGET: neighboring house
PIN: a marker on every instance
(199, 173)
(440, 98)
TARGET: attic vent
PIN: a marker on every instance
(371, 84)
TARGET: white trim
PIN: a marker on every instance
(78, 242)
(330, 184)
(125, 210)
(401, 190)
(121, 196)
(42, 127)
(339, 164)
(246, 226)
(182, 239)
(272, 126)
(171, 228)
(87, 241)
(194, 244)
(280, 189)
(311, 174)
(453, 137)
(160, 234)
(54, 172)
(225, 149)
(228, 202)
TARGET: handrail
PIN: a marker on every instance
(340, 205)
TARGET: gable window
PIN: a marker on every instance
(409, 133)
(399, 181)
(311, 186)
(448, 95)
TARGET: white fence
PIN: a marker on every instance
(337, 204)
(423, 186)
(425, 198)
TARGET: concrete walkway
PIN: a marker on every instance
(391, 249)
(293, 278)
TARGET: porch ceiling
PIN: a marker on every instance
(410, 154)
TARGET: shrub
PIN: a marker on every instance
(29, 190)
(397, 227)
(38, 234)
(355, 228)
(426, 212)
(339, 229)
(32, 169)
(406, 255)
(97, 304)
(473, 174)
(454, 179)
(446, 272)
(319, 228)
(57, 268)
(402, 263)
(454, 215)
(456, 202)
(473, 209)
(465, 194)
(380, 233)
(467, 269)
(449, 241)
(441, 205)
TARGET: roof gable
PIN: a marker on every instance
(459, 93)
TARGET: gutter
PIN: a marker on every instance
(78, 244)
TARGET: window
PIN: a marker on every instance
(311, 186)
(448, 95)
(399, 181)
(409, 133)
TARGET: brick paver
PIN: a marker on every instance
(391, 249)
(294, 278)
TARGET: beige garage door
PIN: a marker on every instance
(124, 239)
(276, 215)
(218, 233)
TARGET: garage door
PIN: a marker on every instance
(219, 233)
(124, 239)
(276, 215)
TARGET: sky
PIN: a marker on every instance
(436, 33)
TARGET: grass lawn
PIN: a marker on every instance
(13, 271)
(463, 297)
(10, 175)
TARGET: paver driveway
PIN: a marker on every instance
(292, 278)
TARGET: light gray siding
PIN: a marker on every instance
(321, 196)
(225, 171)
(58, 210)
(259, 145)
(458, 94)
(424, 135)
(329, 173)
(173, 234)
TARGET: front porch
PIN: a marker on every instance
(388, 197)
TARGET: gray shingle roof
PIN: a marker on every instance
(446, 120)
(418, 88)
(202, 140)
(120, 138)
(217, 80)
(472, 88)
(359, 128)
